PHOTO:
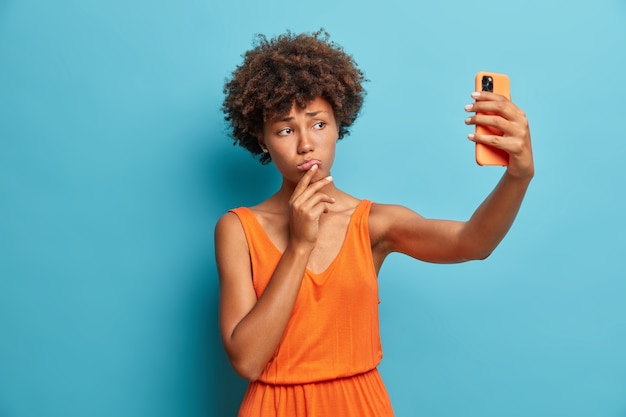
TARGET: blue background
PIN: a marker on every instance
(115, 164)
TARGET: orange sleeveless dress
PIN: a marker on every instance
(325, 365)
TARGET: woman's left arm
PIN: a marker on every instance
(493, 218)
(398, 229)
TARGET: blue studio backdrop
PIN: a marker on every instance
(115, 164)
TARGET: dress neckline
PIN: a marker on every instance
(332, 264)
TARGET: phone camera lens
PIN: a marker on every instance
(487, 83)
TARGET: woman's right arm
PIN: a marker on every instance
(252, 329)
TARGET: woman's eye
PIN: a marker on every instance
(284, 132)
(319, 125)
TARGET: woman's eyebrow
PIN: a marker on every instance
(314, 113)
(308, 114)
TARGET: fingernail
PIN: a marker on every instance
(470, 136)
(468, 120)
(476, 94)
(329, 178)
(468, 107)
(314, 167)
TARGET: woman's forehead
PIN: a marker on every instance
(292, 108)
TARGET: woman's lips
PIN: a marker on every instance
(305, 166)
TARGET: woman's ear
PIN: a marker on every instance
(262, 144)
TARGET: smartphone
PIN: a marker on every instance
(499, 84)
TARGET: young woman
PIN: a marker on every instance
(298, 271)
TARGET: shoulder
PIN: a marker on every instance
(229, 227)
(390, 213)
(231, 246)
(228, 220)
(387, 219)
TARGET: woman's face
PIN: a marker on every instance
(302, 138)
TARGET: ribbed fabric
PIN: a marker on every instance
(326, 362)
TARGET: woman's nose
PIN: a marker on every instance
(305, 144)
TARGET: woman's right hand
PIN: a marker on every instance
(306, 206)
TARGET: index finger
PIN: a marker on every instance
(490, 103)
(305, 180)
(488, 96)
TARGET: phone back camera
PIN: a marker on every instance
(487, 83)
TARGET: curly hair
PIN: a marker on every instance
(290, 68)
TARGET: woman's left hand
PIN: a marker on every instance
(499, 113)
